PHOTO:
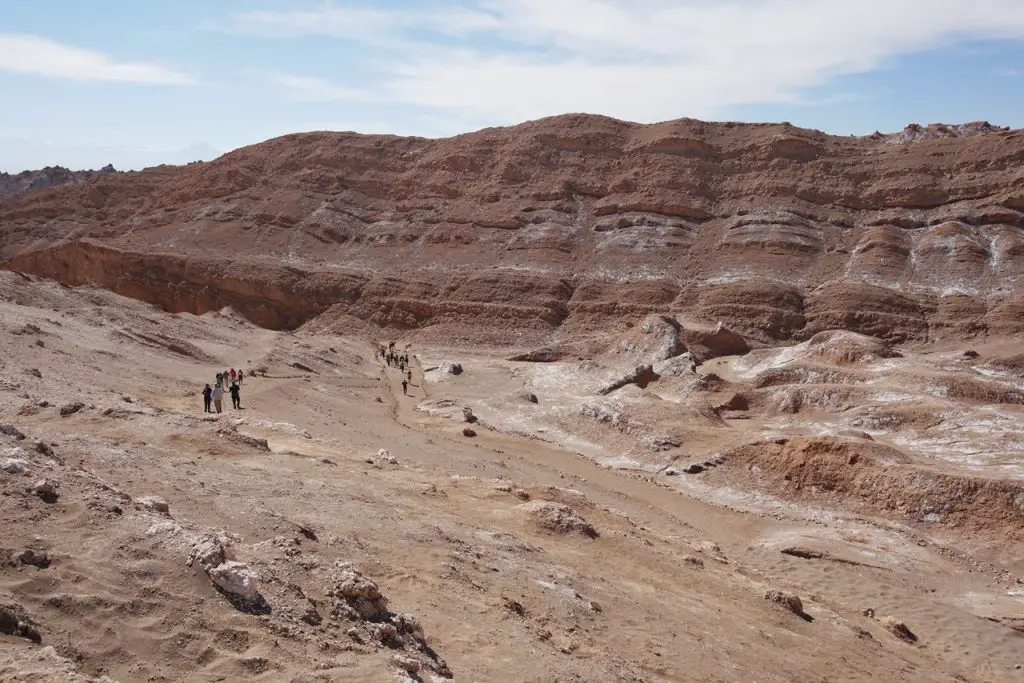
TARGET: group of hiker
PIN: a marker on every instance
(395, 359)
(230, 381)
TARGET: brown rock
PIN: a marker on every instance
(729, 222)
(788, 600)
(899, 629)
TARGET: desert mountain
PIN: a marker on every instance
(562, 225)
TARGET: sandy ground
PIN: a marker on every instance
(453, 530)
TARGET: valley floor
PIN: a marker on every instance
(550, 546)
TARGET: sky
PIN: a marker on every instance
(141, 82)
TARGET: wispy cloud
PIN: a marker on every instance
(1012, 73)
(372, 25)
(311, 89)
(28, 54)
(507, 60)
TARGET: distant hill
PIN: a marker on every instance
(51, 176)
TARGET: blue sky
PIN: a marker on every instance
(138, 82)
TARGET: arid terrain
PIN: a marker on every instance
(689, 402)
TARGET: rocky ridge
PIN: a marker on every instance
(51, 176)
(557, 228)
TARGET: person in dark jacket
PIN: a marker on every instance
(207, 399)
(236, 396)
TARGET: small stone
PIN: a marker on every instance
(672, 472)
(899, 629)
(694, 468)
(12, 431)
(449, 368)
(695, 561)
(788, 600)
(236, 578)
(44, 488)
(595, 606)
(16, 466)
(868, 612)
(154, 504)
(521, 494)
(209, 550)
(34, 558)
(515, 607)
(469, 432)
(71, 408)
(804, 553)
(406, 663)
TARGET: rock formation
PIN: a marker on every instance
(51, 176)
(562, 226)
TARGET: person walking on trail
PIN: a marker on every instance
(410, 375)
(218, 398)
(236, 396)
(405, 387)
(233, 375)
(239, 376)
(207, 398)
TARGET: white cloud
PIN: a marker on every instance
(311, 89)
(364, 24)
(645, 60)
(29, 54)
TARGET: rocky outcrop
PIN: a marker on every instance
(51, 176)
(562, 228)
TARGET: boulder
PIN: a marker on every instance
(33, 558)
(358, 597)
(154, 504)
(788, 600)
(641, 375)
(12, 431)
(15, 621)
(899, 629)
(558, 517)
(236, 578)
(677, 366)
(210, 550)
(384, 455)
(16, 466)
(450, 368)
(544, 355)
(804, 553)
(71, 408)
(708, 343)
(44, 488)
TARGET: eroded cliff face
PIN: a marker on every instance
(559, 227)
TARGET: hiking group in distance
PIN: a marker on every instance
(213, 397)
(396, 360)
